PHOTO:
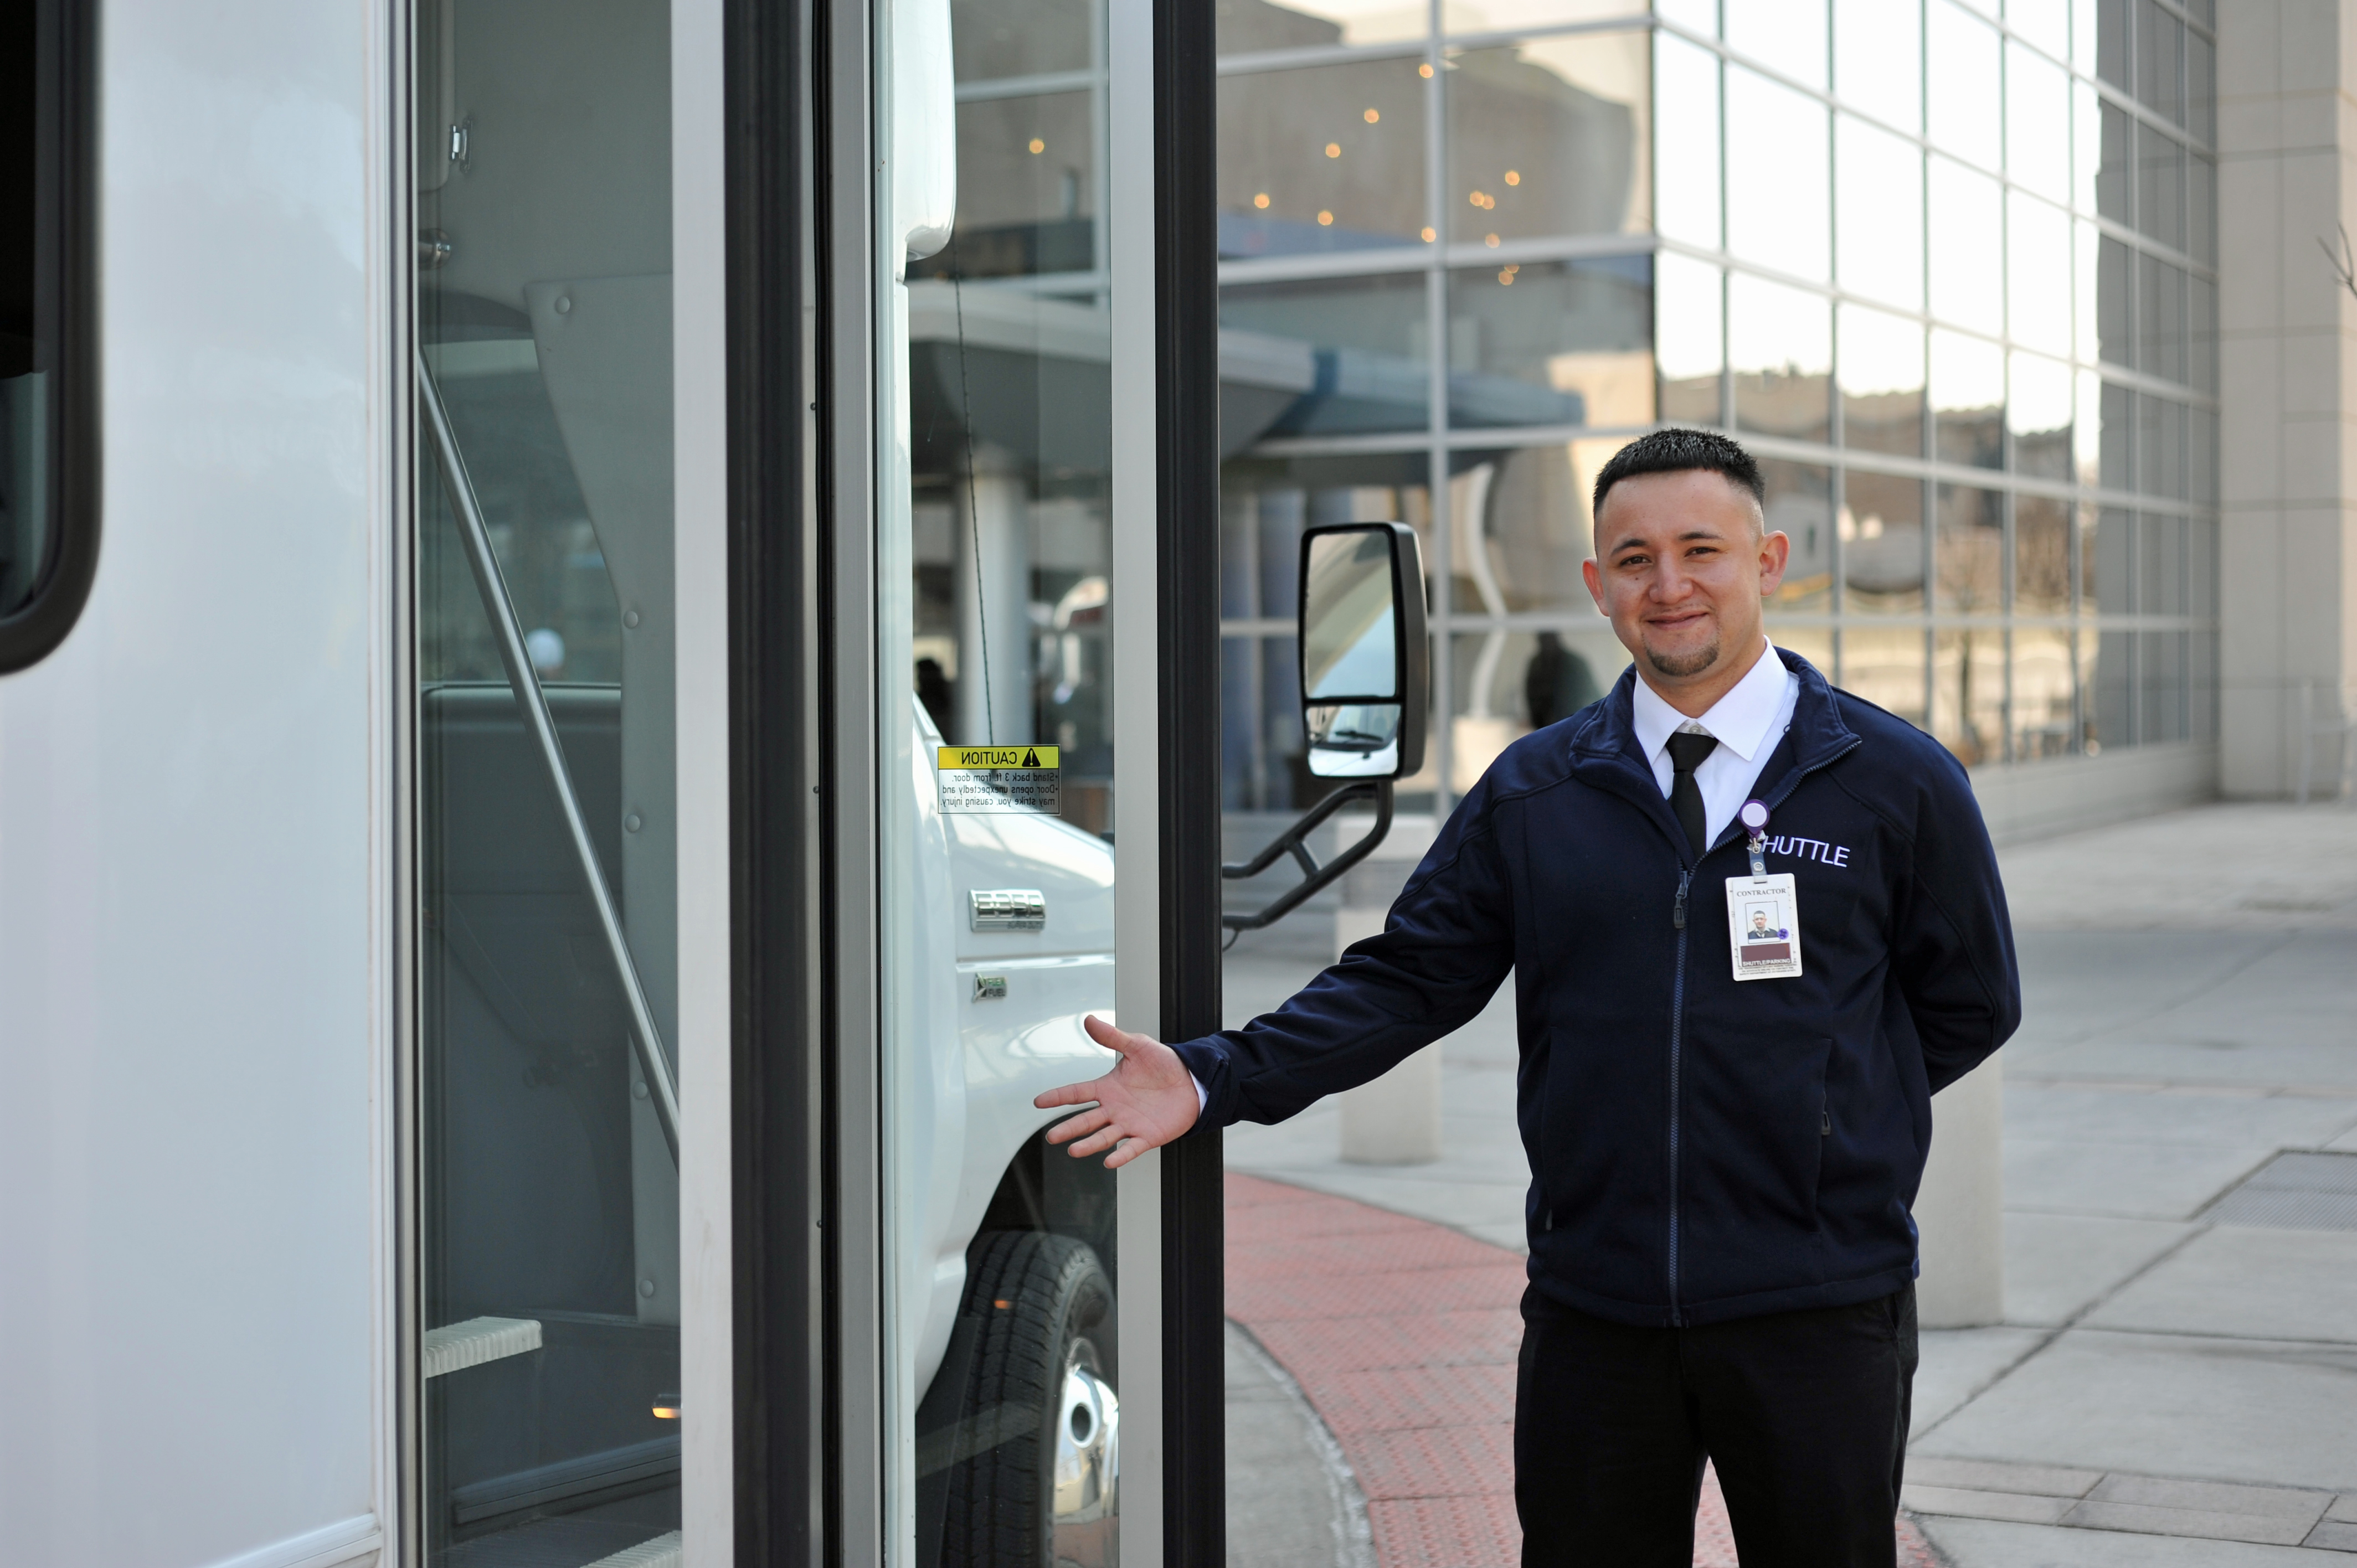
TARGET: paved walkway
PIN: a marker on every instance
(2176, 1379)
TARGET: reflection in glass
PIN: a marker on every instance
(1026, 189)
(2118, 436)
(2160, 308)
(1325, 159)
(1786, 36)
(1963, 101)
(2160, 562)
(2201, 79)
(1878, 61)
(2160, 445)
(1689, 339)
(2201, 334)
(1249, 26)
(2087, 429)
(1967, 400)
(2037, 274)
(1968, 248)
(1779, 347)
(2201, 208)
(2113, 166)
(1800, 505)
(2038, 412)
(1878, 234)
(2163, 685)
(1325, 356)
(1968, 669)
(1685, 98)
(1881, 528)
(2044, 694)
(2115, 337)
(1969, 550)
(2086, 146)
(2106, 684)
(1549, 136)
(2041, 556)
(2037, 124)
(2202, 456)
(1519, 526)
(2111, 30)
(2106, 553)
(987, 42)
(1779, 209)
(1582, 330)
(2160, 185)
(2161, 60)
(1885, 666)
(1881, 382)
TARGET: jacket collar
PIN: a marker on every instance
(1607, 753)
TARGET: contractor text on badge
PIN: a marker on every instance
(1001, 779)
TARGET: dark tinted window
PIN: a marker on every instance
(46, 539)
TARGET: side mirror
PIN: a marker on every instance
(1364, 657)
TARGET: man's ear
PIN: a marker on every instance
(1594, 578)
(1775, 554)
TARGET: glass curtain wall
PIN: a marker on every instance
(1949, 269)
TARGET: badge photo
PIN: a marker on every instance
(1763, 919)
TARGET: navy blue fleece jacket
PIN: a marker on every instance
(1701, 1149)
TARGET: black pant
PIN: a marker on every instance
(1805, 1413)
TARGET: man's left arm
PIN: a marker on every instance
(1952, 947)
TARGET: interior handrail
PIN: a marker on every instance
(662, 1090)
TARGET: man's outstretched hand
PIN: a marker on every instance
(1145, 1101)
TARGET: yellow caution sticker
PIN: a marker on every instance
(1001, 779)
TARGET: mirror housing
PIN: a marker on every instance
(1365, 658)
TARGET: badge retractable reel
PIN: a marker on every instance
(1763, 912)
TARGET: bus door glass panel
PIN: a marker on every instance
(547, 881)
(1004, 1369)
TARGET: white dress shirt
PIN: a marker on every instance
(1746, 722)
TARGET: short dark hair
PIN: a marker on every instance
(1677, 451)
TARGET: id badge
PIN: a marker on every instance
(1763, 919)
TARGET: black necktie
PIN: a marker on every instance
(1686, 752)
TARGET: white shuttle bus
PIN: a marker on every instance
(608, 635)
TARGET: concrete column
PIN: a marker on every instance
(994, 594)
(1960, 1211)
(1394, 1120)
(2287, 448)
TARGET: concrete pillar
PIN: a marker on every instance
(994, 594)
(1394, 1120)
(2287, 384)
(1960, 1211)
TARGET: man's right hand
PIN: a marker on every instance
(1145, 1101)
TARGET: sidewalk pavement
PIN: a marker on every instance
(2176, 1379)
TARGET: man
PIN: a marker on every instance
(1723, 1153)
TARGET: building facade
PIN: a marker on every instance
(1950, 269)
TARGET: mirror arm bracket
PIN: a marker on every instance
(1294, 841)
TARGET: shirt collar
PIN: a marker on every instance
(1739, 720)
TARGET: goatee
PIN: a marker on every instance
(1678, 666)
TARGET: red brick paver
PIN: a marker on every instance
(1403, 1335)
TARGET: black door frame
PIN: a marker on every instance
(797, 302)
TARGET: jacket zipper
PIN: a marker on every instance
(1678, 1021)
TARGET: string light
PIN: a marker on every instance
(1514, 177)
(1425, 71)
(1333, 149)
(1506, 273)
(1325, 217)
(1371, 117)
(1260, 200)
(1038, 147)
(1430, 236)
(1491, 241)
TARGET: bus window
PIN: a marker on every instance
(47, 526)
(548, 1269)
